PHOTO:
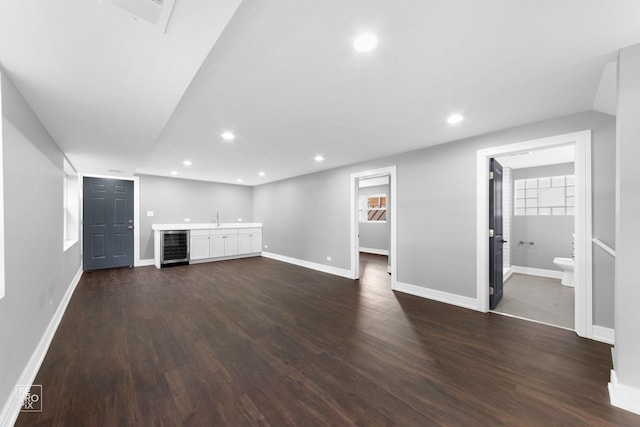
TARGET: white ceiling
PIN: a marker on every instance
(119, 94)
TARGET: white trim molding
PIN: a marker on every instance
(308, 264)
(583, 226)
(623, 396)
(440, 296)
(602, 334)
(604, 247)
(2, 284)
(540, 272)
(145, 262)
(374, 251)
(12, 407)
(391, 172)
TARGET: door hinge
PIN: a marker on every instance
(491, 175)
(490, 290)
(491, 232)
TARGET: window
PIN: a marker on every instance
(373, 208)
(70, 205)
(554, 195)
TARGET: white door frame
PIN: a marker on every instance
(136, 212)
(355, 225)
(583, 240)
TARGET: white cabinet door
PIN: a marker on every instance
(199, 248)
(231, 244)
(256, 242)
(244, 244)
(250, 240)
(216, 246)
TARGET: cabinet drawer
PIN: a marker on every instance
(195, 233)
(250, 230)
(225, 232)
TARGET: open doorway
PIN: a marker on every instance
(373, 219)
(581, 141)
(538, 228)
(374, 233)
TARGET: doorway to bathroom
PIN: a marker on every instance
(573, 186)
(373, 219)
(538, 212)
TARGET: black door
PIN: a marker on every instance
(107, 223)
(495, 234)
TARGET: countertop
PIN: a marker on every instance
(205, 226)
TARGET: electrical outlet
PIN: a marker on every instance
(266, 246)
(239, 219)
(328, 258)
(187, 220)
(149, 213)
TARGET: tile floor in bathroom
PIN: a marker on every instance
(538, 298)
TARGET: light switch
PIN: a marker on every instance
(149, 213)
(187, 220)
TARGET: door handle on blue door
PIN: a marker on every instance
(130, 227)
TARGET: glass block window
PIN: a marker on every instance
(553, 195)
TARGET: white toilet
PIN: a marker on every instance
(567, 270)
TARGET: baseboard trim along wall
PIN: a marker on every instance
(13, 405)
(541, 272)
(308, 264)
(453, 299)
(145, 262)
(507, 273)
(374, 251)
(602, 334)
(623, 396)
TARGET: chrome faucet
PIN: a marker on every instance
(217, 219)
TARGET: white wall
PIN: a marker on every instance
(38, 272)
(436, 208)
(626, 380)
(174, 199)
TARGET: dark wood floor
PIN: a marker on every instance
(259, 342)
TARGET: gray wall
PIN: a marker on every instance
(552, 235)
(627, 279)
(375, 235)
(37, 271)
(172, 200)
(436, 207)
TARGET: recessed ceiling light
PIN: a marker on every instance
(261, 173)
(365, 42)
(455, 119)
(187, 163)
(318, 158)
(239, 180)
(228, 136)
(174, 172)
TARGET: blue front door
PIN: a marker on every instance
(107, 223)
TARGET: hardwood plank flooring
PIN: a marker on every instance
(259, 342)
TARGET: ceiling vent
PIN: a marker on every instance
(156, 12)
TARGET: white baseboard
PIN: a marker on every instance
(13, 404)
(602, 334)
(453, 299)
(623, 396)
(506, 274)
(374, 251)
(145, 262)
(541, 272)
(308, 264)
